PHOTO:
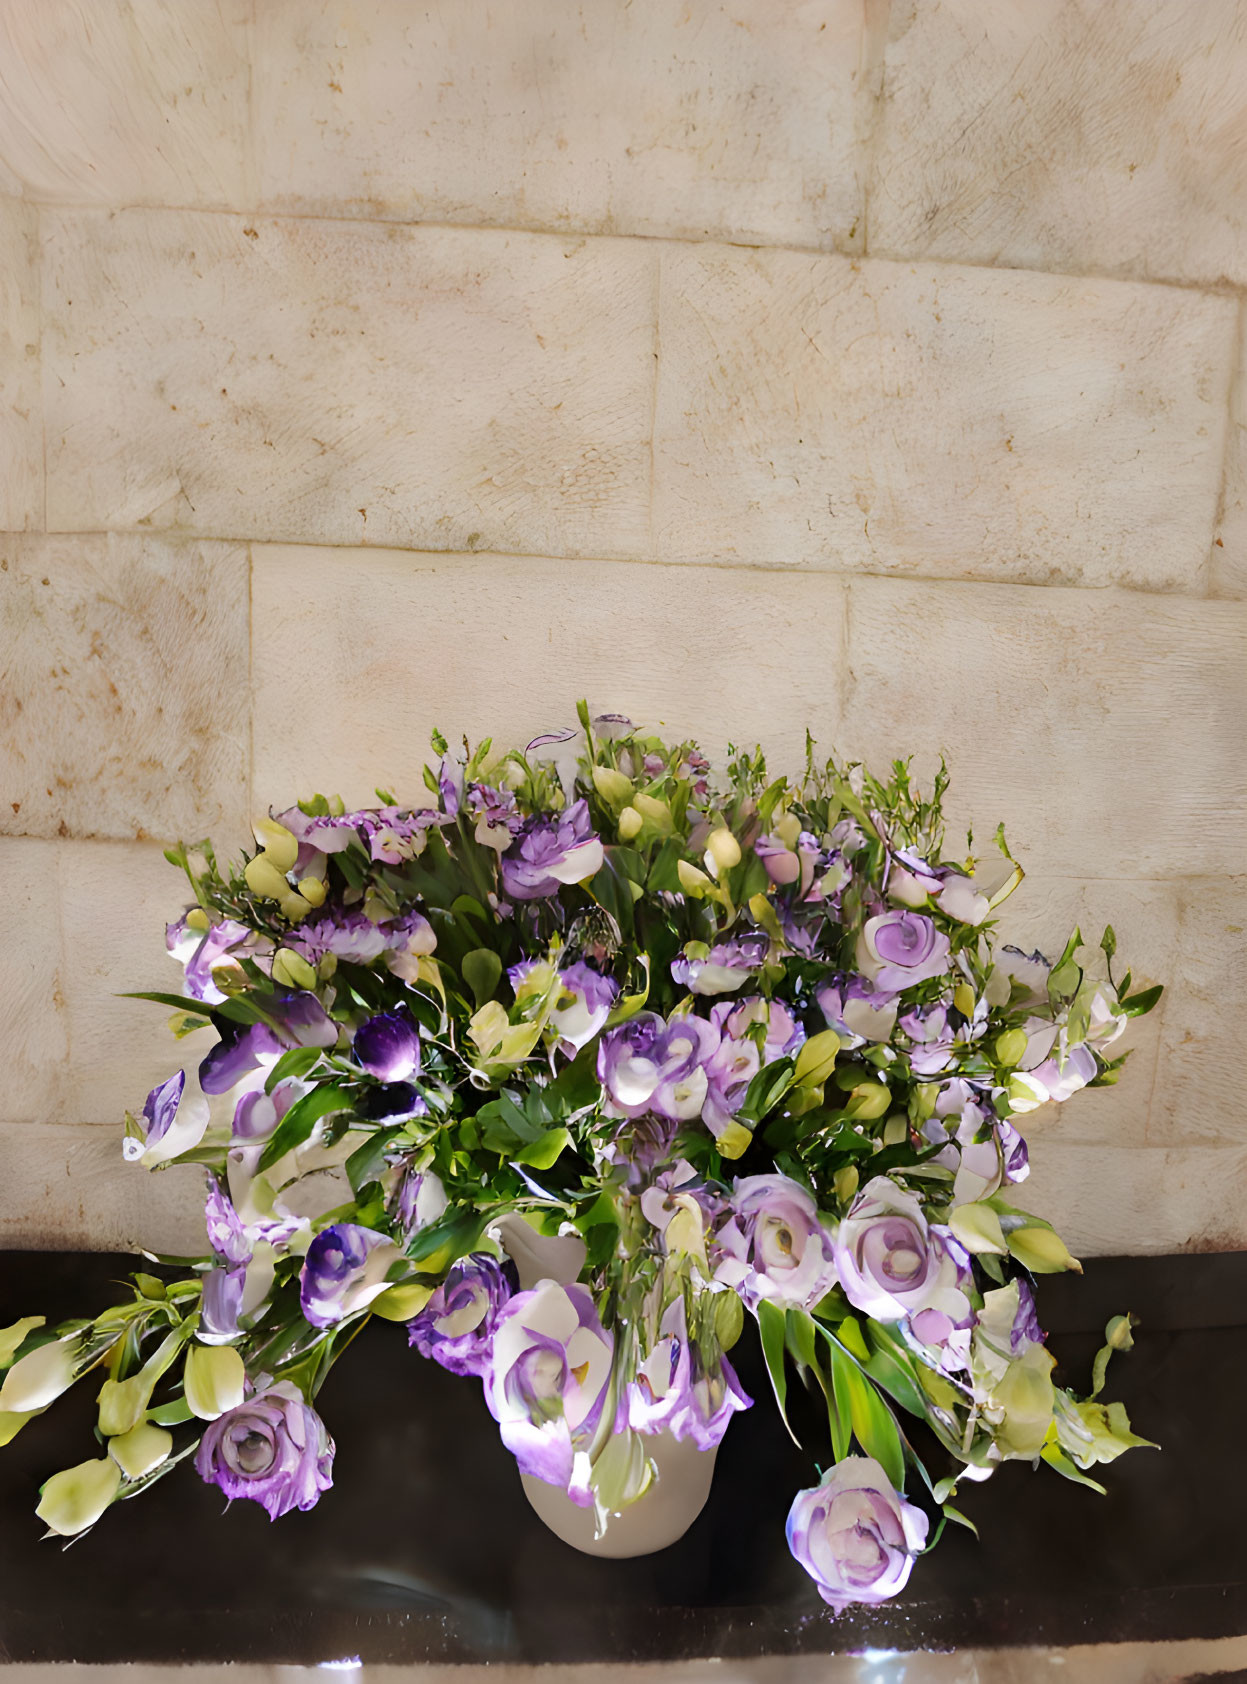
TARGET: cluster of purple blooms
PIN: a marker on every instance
(882, 942)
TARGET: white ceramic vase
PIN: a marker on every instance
(678, 1494)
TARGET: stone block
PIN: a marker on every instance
(37, 1035)
(503, 646)
(348, 382)
(21, 401)
(741, 122)
(1103, 138)
(67, 1188)
(126, 102)
(938, 422)
(1105, 728)
(124, 710)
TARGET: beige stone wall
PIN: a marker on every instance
(743, 366)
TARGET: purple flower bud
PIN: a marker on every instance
(226, 1233)
(855, 1536)
(222, 1303)
(302, 1021)
(550, 852)
(159, 1109)
(344, 1270)
(272, 1449)
(456, 1326)
(388, 1046)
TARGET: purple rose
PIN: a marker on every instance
(273, 1449)
(200, 950)
(929, 1029)
(420, 1201)
(774, 1245)
(323, 833)
(456, 1326)
(675, 1392)
(388, 1046)
(729, 1070)
(782, 1033)
(648, 1065)
(893, 1263)
(724, 967)
(549, 852)
(857, 1010)
(855, 1536)
(395, 835)
(302, 1022)
(344, 1270)
(547, 1380)
(498, 818)
(583, 1002)
(897, 949)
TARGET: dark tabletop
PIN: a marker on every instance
(425, 1549)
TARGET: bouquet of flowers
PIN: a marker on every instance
(747, 1039)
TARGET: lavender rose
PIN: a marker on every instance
(723, 968)
(550, 852)
(344, 1270)
(855, 1536)
(456, 1327)
(675, 1392)
(774, 1246)
(897, 949)
(857, 1010)
(893, 1264)
(547, 1380)
(272, 1449)
(648, 1065)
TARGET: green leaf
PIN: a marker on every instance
(772, 1325)
(1056, 1458)
(956, 1514)
(482, 970)
(366, 1162)
(1142, 1002)
(301, 1119)
(171, 1413)
(543, 1152)
(874, 1428)
(297, 1062)
(801, 1337)
(766, 1090)
(894, 1370)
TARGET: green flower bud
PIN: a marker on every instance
(76, 1498)
(614, 788)
(1010, 1046)
(214, 1379)
(141, 1450)
(39, 1379)
(630, 823)
(292, 969)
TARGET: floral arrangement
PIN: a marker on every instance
(747, 1040)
